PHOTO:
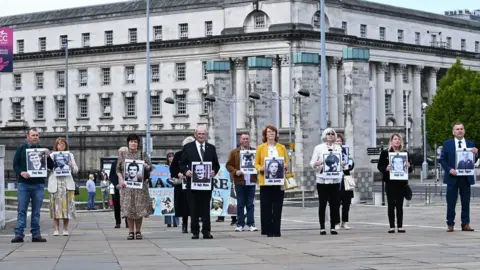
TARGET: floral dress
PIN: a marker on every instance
(62, 202)
(135, 203)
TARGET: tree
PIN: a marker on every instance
(457, 100)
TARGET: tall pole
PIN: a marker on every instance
(147, 92)
(233, 116)
(406, 120)
(66, 90)
(323, 69)
(290, 77)
(425, 164)
(373, 106)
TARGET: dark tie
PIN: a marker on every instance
(202, 151)
(459, 144)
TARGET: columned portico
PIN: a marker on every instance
(332, 95)
(341, 98)
(381, 67)
(417, 106)
(399, 116)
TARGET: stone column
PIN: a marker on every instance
(240, 93)
(358, 130)
(399, 117)
(417, 107)
(2, 186)
(219, 81)
(285, 91)
(408, 143)
(307, 116)
(341, 98)
(432, 83)
(381, 67)
(332, 94)
(276, 89)
(260, 81)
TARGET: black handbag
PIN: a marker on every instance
(77, 189)
(408, 193)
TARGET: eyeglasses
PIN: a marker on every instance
(331, 134)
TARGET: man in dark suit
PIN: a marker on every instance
(456, 184)
(116, 197)
(465, 163)
(199, 200)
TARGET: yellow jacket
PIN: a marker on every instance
(262, 153)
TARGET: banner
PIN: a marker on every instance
(162, 201)
(6, 49)
(224, 198)
(160, 176)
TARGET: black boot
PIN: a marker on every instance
(184, 228)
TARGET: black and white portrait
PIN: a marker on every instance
(133, 172)
(217, 206)
(345, 154)
(36, 162)
(61, 161)
(201, 179)
(167, 206)
(465, 163)
(332, 165)
(274, 171)
(247, 158)
(398, 166)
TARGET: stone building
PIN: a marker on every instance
(409, 52)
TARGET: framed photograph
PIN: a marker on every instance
(274, 171)
(345, 154)
(398, 165)
(201, 179)
(61, 160)
(332, 165)
(464, 163)
(133, 171)
(36, 162)
(247, 158)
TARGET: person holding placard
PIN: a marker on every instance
(345, 195)
(456, 177)
(271, 196)
(170, 220)
(324, 161)
(395, 188)
(135, 202)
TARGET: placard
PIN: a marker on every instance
(332, 167)
(36, 162)
(162, 201)
(274, 171)
(464, 162)
(224, 198)
(133, 171)
(398, 165)
(345, 155)
(201, 179)
(247, 159)
(61, 160)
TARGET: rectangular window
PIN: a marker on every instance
(39, 80)
(449, 42)
(85, 40)
(155, 73)
(400, 35)
(17, 111)
(180, 70)
(433, 41)
(130, 75)
(417, 38)
(83, 108)
(382, 33)
(155, 105)
(42, 44)
(388, 75)
(20, 46)
(132, 35)
(39, 110)
(105, 76)
(63, 41)
(60, 79)
(205, 104)
(344, 27)
(204, 70)
(130, 108)
(60, 109)
(108, 38)
(477, 46)
(180, 104)
(106, 107)
(388, 104)
(208, 28)
(183, 30)
(157, 33)
(17, 81)
(259, 21)
(363, 31)
(405, 75)
(83, 76)
(463, 44)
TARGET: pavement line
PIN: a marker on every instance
(13, 219)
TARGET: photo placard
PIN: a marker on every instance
(163, 201)
(133, 173)
(61, 160)
(465, 162)
(247, 159)
(36, 162)
(332, 165)
(201, 179)
(274, 171)
(345, 155)
(398, 165)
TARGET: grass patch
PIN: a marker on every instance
(83, 197)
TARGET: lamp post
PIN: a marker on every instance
(323, 70)
(66, 89)
(147, 89)
(424, 164)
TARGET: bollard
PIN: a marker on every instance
(356, 197)
(377, 198)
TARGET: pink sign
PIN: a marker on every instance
(6, 49)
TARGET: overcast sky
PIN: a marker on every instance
(12, 7)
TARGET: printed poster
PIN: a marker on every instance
(36, 162)
(274, 171)
(398, 166)
(133, 173)
(61, 160)
(224, 198)
(465, 162)
(6, 49)
(332, 165)
(162, 201)
(201, 179)
(161, 176)
(247, 159)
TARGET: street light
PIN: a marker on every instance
(424, 164)
(147, 90)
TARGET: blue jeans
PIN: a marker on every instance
(91, 200)
(25, 193)
(245, 198)
(172, 220)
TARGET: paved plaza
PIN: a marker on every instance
(95, 244)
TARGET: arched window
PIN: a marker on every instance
(257, 21)
(316, 21)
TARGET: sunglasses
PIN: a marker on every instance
(330, 133)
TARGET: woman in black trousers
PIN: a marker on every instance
(395, 188)
(345, 196)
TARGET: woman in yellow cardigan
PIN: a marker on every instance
(271, 197)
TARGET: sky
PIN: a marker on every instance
(13, 7)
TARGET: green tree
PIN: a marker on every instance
(457, 100)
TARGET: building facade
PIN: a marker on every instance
(409, 52)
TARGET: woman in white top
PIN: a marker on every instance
(328, 189)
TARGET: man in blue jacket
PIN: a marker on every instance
(29, 188)
(456, 184)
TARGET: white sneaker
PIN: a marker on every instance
(65, 233)
(337, 227)
(239, 229)
(56, 233)
(253, 229)
(345, 226)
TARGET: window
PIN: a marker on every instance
(382, 33)
(86, 40)
(180, 71)
(60, 79)
(388, 103)
(130, 75)
(83, 108)
(157, 33)
(477, 46)
(208, 28)
(106, 107)
(417, 38)
(132, 35)
(183, 30)
(463, 44)
(83, 76)
(344, 27)
(433, 41)
(205, 104)
(60, 109)
(155, 73)
(42, 44)
(130, 108)
(449, 42)
(204, 70)
(259, 21)
(20, 46)
(155, 105)
(400, 35)
(17, 110)
(388, 75)
(105, 76)
(39, 110)
(63, 41)
(17, 81)
(405, 75)
(108, 38)
(363, 30)
(406, 102)
(39, 80)
(180, 104)
(316, 20)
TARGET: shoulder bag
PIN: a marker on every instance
(349, 182)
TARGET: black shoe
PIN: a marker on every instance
(269, 234)
(195, 236)
(219, 220)
(333, 232)
(323, 232)
(169, 225)
(207, 236)
(117, 226)
(277, 235)
(17, 239)
(39, 239)
(401, 230)
(184, 228)
(264, 233)
(175, 225)
(392, 230)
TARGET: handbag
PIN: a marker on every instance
(349, 182)
(290, 182)
(408, 193)
(77, 189)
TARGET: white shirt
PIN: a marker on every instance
(272, 151)
(318, 156)
(464, 144)
(198, 148)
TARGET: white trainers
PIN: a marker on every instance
(56, 233)
(337, 227)
(65, 233)
(253, 229)
(239, 229)
(345, 226)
